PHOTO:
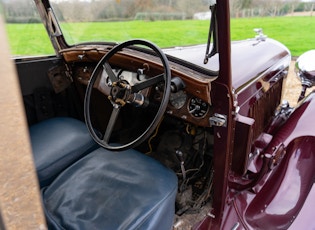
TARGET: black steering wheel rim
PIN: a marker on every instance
(161, 110)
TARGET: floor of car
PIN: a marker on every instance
(188, 220)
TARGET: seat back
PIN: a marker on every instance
(56, 144)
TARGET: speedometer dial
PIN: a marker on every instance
(197, 107)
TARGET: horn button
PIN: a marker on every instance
(120, 92)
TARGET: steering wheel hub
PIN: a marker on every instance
(120, 92)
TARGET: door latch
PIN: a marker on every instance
(219, 120)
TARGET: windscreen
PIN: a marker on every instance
(167, 23)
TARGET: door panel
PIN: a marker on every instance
(33, 72)
(46, 88)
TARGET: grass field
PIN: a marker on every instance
(297, 33)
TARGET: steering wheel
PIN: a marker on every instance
(122, 93)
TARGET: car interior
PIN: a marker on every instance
(105, 169)
(126, 135)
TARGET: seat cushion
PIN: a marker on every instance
(112, 190)
(57, 143)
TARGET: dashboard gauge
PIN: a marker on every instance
(178, 99)
(197, 107)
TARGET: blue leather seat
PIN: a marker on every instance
(56, 144)
(112, 190)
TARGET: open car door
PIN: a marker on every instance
(20, 201)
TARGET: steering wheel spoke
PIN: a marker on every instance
(111, 124)
(147, 83)
(112, 76)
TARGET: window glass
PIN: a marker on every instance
(27, 35)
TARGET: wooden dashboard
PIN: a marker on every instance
(192, 103)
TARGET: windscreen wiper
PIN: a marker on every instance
(212, 33)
